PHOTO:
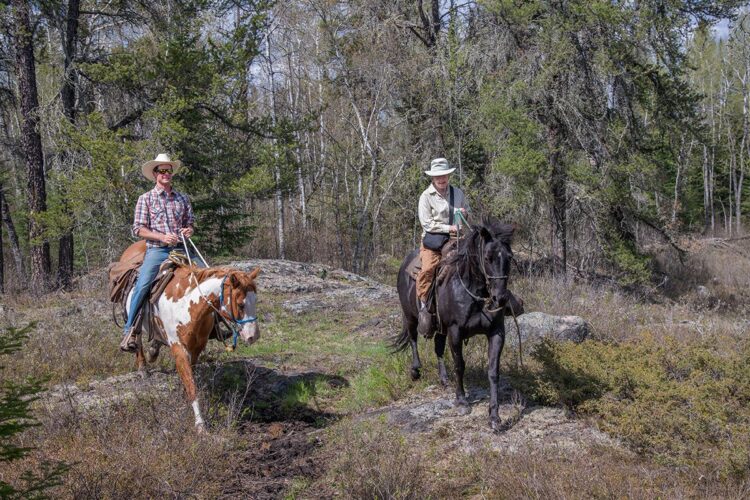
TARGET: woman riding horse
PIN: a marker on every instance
(436, 211)
(472, 299)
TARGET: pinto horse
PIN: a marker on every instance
(473, 299)
(185, 315)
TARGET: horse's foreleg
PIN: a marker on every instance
(457, 350)
(440, 341)
(140, 361)
(494, 348)
(183, 362)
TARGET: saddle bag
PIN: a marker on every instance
(435, 241)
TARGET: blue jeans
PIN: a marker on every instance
(149, 269)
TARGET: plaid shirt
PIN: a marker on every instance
(162, 213)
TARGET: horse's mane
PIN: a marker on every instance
(211, 272)
(467, 257)
(245, 280)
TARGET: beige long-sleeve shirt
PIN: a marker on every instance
(434, 210)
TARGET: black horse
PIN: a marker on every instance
(473, 299)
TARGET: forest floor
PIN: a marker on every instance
(321, 408)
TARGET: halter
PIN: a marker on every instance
(228, 311)
(487, 299)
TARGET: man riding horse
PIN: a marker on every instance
(162, 217)
(437, 206)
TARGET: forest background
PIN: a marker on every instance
(601, 128)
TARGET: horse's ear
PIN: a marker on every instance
(254, 273)
(233, 279)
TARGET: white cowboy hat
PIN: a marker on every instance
(162, 159)
(439, 166)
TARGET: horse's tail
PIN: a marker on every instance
(400, 342)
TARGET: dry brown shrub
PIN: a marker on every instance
(373, 461)
(146, 448)
(568, 474)
(720, 266)
(75, 339)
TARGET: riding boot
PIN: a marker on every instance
(424, 328)
(130, 340)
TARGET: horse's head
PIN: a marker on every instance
(239, 303)
(496, 256)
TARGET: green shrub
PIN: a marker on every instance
(684, 403)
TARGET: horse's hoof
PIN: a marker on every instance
(463, 409)
(200, 428)
(444, 382)
(144, 373)
(415, 374)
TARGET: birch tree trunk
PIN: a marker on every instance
(278, 195)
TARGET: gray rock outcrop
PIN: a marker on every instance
(536, 326)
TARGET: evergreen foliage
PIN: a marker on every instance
(15, 418)
(601, 128)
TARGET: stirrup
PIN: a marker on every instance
(130, 341)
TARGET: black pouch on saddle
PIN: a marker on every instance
(435, 241)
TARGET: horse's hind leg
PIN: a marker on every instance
(416, 364)
(440, 341)
(185, 369)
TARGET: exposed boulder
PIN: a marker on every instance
(536, 326)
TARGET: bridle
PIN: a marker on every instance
(227, 311)
(488, 299)
(487, 277)
(223, 311)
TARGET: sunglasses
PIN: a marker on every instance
(163, 171)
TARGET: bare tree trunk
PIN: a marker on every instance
(31, 145)
(2, 258)
(15, 247)
(744, 148)
(558, 186)
(708, 194)
(68, 98)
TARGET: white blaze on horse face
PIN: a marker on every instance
(174, 314)
(250, 332)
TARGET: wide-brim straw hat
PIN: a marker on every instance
(439, 166)
(162, 159)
